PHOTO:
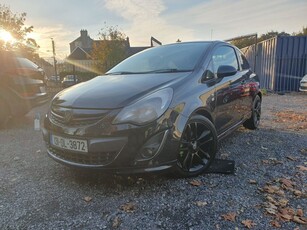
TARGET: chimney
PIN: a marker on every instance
(83, 33)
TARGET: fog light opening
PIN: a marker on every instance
(149, 151)
(152, 147)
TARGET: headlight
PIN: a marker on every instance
(147, 109)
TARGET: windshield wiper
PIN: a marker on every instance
(169, 70)
(152, 71)
(121, 73)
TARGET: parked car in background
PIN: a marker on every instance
(163, 108)
(303, 84)
(53, 81)
(70, 80)
(21, 86)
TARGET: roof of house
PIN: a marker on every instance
(80, 54)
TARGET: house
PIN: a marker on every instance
(84, 42)
(80, 59)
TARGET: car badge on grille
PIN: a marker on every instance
(68, 114)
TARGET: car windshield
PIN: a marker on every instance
(170, 58)
(25, 63)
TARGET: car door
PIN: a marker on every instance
(227, 89)
(247, 85)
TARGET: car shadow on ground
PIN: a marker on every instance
(27, 120)
(88, 176)
(20, 122)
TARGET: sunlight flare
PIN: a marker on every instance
(6, 36)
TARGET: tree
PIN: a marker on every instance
(244, 42)
(110, 49)
(302, 33)
(15, 25)
(247, 41)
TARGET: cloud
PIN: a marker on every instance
(146, 20)
(229, 19)
(166, 20)
(195, 21)
(61, 35)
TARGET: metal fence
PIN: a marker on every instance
(280, 62)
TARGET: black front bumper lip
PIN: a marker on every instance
(122, 170)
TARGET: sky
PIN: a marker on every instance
(166, 20)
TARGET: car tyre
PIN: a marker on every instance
(254, 121)
(198, 146)
(4, 113)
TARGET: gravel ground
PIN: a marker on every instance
(38, 193)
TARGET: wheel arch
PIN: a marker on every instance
(205, 113)
(197, 117)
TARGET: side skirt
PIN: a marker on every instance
(230, 130)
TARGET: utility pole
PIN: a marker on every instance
(54, 60)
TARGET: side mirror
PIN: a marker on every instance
(226, 71)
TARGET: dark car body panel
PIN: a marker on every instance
(22, 83)
(226, 101)
(117, 91)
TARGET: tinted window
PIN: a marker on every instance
(242, 60)
(224, 55)
(176, 57)
(25, 63)
(244, 63)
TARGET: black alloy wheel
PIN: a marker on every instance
(254, 121)
(197, 148)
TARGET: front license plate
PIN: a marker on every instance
(69, 143)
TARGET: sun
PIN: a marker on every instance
(6, 36)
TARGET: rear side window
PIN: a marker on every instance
(243, 61)
(224, 55)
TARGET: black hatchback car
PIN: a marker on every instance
(164, 108)
(21, 86)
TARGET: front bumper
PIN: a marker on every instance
(39, 99)
(119, 148)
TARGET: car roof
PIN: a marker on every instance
(197, 42)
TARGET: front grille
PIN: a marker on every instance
(75, 117)
(94, 159)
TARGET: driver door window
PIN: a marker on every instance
(224, 55)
